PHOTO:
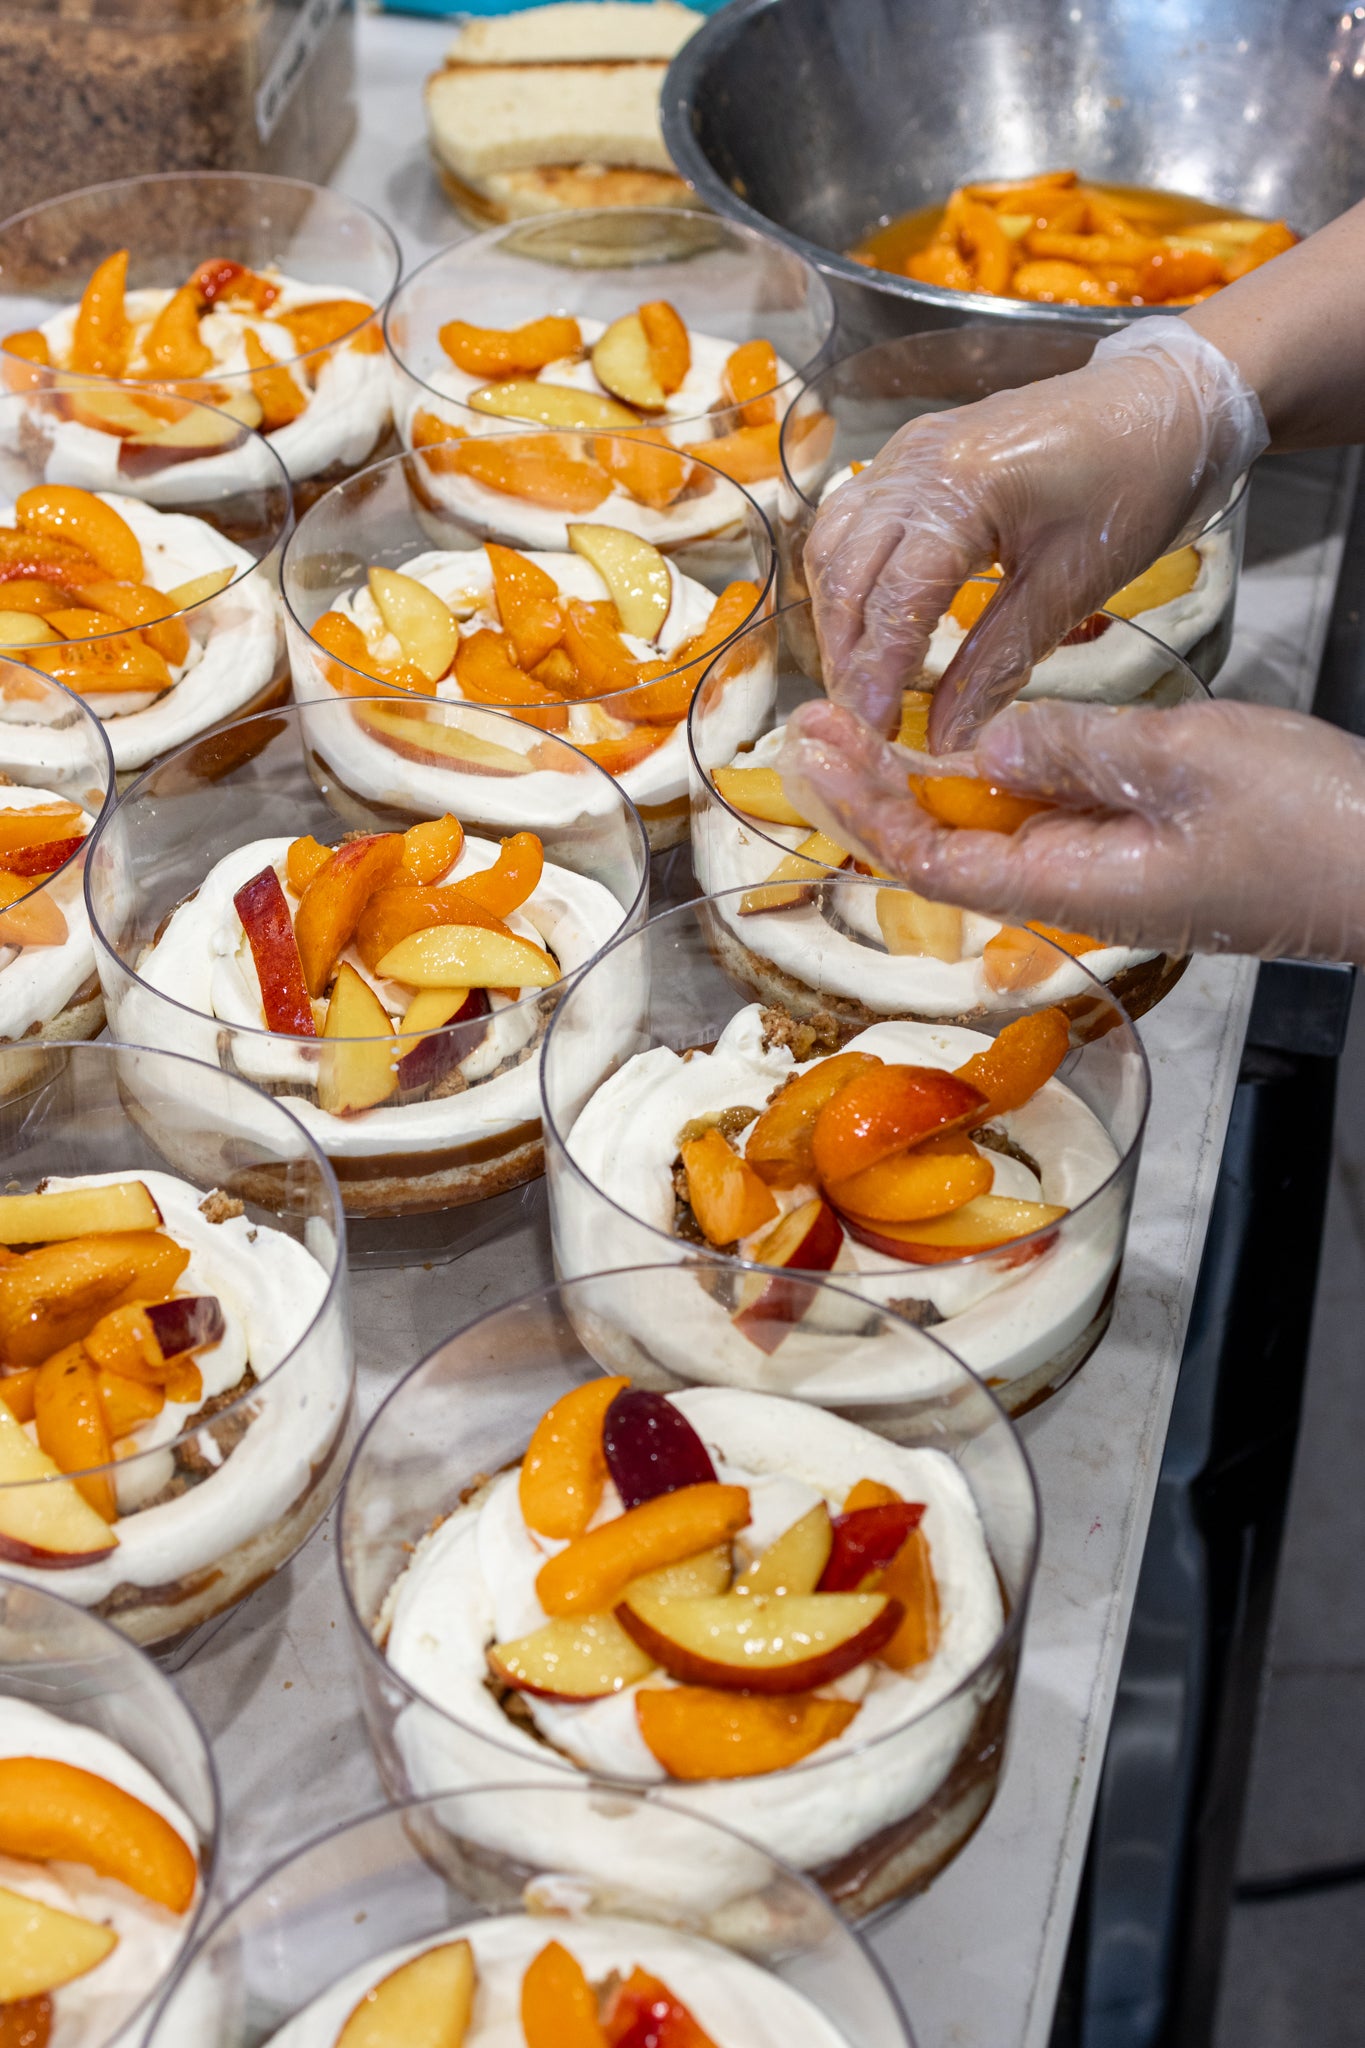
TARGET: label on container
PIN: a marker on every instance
(291, 60)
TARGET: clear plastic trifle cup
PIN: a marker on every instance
(413, 1926)
(759, 1610)
(175, 1357)
(937, 962)
(56, 782)
(977, 1179)
(107, 1825)
(850, 409)
(369, 908)
(680, 326)
(598, 636)
(261, 296)
(150, 589)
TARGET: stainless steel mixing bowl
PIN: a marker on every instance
(816, 119)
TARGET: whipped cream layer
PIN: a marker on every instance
(202, 961)
(471, 1583)
(852, 962)
(1002, 1321)
(92, 2010)
(37, 982)
(236, 641)
(734, 2001)
(698, 396)
(346, 415)
(271, 1288)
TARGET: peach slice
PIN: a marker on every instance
(303, 860)
(763, 1642)
(624, 364)
(54, 1812)
(411, 733)
(184, 596)
(396, 913)
(468, 956)
(42, 1948)
(16, 1391)
(779, 1144)
(912, 925)
(983, 1225)
(1019, 957)
(422, 625)
(807, 1238)
(64, 512)
(550, 405)
(594, 645)
(32, 594)
(679, 673)
(513, 878)
(36, 554)
(528, 604)
(23, 629)
(115, 664)
(751, 375)
(125, 1404)
(277, 394)
(50, 1298)
(173, 347)
(597, 1567)
(932, 1179)
(73, 1212)
(1014, 1067)
(909, 1578)
(869, 1493)
(431, 848)
(787, 887)
(137, 604)
(487, 674)
(692, 1578)
(651, 1447)
(795, 1562)
(572, 1659)
(222, 277)
(1173, 576)
(643, 2013)
(101, 336)
(44, 1522)
(433, 1057)
(695, 1732)
(749, 455)
(510, 351)
(886, 1108)
(264, 912)
(635, 573)
(758, 792)
(865, 1540)
(969, 805)
(331, 906)
(647, 466)
(619, 756)
(670, 350)
(424, 2003)
(71, 1427)
(37, 921)
(538, 469)
(32, 861)
(914, 725)
(727, 1196)
(361, 1071)
(558, 2005)
(325, 322)
(565, 1467)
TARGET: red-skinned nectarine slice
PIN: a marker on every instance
(866, 1539)
(696, 1732)
(987, 1224)
(565, 1467)
(765, 1643)
(598, 1566)
(644, 2013)
(44, 1522)
(571, 1659)
(651, 1447)
(778, 1146)
(886, 1109)
(264, 911)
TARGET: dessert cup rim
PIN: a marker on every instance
(336, 1275)
(299, 715)
(760, 242)
(971, 1260)
(400, 1811)
(110, 796)
(207, 1854)
(1010, 1631)
(753, 510)
(383, 232)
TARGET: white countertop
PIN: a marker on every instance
(978, 1960)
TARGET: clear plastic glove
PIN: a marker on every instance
(1073, 485)
(1210, 828)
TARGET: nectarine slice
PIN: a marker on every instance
(795, 1562)
(651, 1447)
(749, 455)
(931, 1179)
(779, 1144)
(697, 1732)
(758, 792)
(1173, 576)
(972, 805)
(865, 1540)
(646, 466)
(513, 877)
(42, 1948)
(750, 377)
(331, 906)
(528, 603)
(584, 1658)
(1019, 957)
(487, 674)
(510, 351)
(39, 824)
(869, 1493)
(409, 731)
(985, 1224)
(358, 1069)
(909, 1578)
(421, 623)
(101, 336)
(395, 912)
(787, 886)
(264, 912)
(550, 405)
(49, 1298)
(467, 956)
(173, 347)
(761, 1642)
(36, 921)
(598, 1566)
(432, 848)
(727, 1196)
(885, 1109)
(71, 1427)
(303, 860)
(670, 350)
(65, 512)
(126, 1404)
(635, 573)
(565, 1467)
(277, 393)
(327, 321)
(912, 925)
(558, 2005)
(617, 757)
(73, 1212)
(536, 467)
(624, 364)
(644, 2013)
(1014, 1067)
(595, 647)
(424, 2003)
(54, 1812)
(44, 1522)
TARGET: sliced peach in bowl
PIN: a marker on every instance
(1023, 1056)
(565, 1468)
(42, 1948)
(760, 1642)
(467, 956)
(71, 1427)
(358, 1069)
(728, 1198)
(987, 1224)
(572, 1659)
(598, 1566)
(779, 1144)
(795, 1561)
(931, 1179)
(424, 2003)
(885, 1109)
(55, 1812)
(44, 1522)
(331, 906)
(558, 2004)
(697, 1732)
(74, 1212)
(1021, 957)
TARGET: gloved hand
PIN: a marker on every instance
(1208, 827)
(1073, 485)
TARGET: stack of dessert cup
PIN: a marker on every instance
(262, 296)
(567, 1556)
(148, 582)
(56, 782)
(425, 1924)
(369, 907)
(584, 628)
(108, 1826)
(848, 412)
(944, 963)
(769, 1130)
(175, 1350)
(690, 330)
